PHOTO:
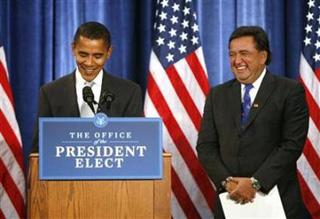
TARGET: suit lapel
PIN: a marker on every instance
(234, 101)
(106, 87)
(105, 84)
(71, 95)
(266, 88)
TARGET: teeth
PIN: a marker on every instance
(241, 67)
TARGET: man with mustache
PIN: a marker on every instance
(254, 127)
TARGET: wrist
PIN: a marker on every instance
(255, 183)
(224, 183)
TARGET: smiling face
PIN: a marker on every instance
(90, 56)
(247, 63)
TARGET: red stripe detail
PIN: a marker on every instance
(317, 73)
(198, 72)
(184, 96)
(183, 197)
(314, 110)
(11, 139)
(5, 82)
(1, 214)
(308, 198)
(312, 157)
(181, 142)
(12, 190)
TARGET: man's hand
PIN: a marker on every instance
(243, 192)
(230, 185)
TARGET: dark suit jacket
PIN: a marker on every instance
(267, 147)
(59, 99)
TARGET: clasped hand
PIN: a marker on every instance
(240, 189)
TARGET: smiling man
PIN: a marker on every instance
(254, 127)
(114, 96)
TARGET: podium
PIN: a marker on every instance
(99, 198)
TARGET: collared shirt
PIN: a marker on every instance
(256, 85)
(96, 87)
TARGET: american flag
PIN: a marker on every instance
(12, 181)
(176, 92)
(309, 162)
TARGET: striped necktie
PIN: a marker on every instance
(246, 104)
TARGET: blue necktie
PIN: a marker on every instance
(246, 104)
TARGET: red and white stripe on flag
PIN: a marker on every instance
(309, 162)
(176, 92)
(12, 181)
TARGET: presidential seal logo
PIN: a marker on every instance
(100, 120)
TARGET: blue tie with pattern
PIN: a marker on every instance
(246, 104)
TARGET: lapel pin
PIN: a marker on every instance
(255, 105)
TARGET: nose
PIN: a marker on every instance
(237, 59)
(89, 61)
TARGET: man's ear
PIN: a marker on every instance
(109, 52)
(73, 48)
(264, 56)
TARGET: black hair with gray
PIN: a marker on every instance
(259, 36)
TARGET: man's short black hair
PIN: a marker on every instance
(93, 30)
(259, 36)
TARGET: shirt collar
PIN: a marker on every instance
(257, 82)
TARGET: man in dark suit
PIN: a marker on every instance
(254, 127)
(116, 97)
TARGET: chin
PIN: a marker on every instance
(91, 74)
(241, 79)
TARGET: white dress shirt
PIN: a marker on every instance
(256, 85)
(96, 87)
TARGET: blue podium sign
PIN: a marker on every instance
(100, 148)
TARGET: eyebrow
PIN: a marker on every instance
(83, 52)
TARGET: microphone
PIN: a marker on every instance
(88, 97)
(107, 97)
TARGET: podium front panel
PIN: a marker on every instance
(99, 198)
